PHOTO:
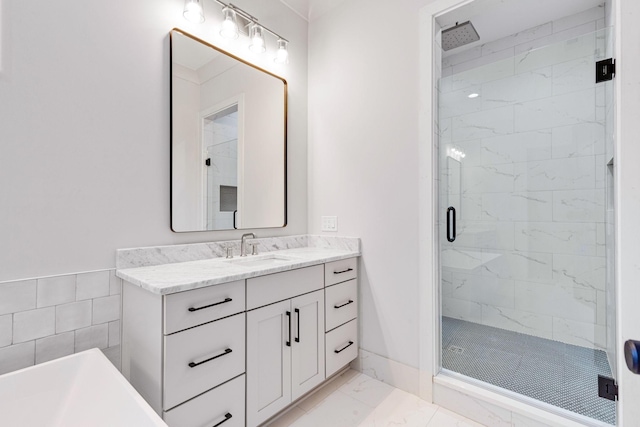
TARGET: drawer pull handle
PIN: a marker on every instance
(342, 305)
(344, 348)
(227, 416)
(298, 317)
(343, 271)
(193, 364)
(192, 309)
(288, 343)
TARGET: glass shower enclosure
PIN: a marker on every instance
(526, 225)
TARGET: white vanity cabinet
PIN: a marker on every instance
(341, 308)
(285, 340)
(237, 353)
(185, 352)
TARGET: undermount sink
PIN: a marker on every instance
(261, 260)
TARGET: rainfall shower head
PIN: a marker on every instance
(459, 35)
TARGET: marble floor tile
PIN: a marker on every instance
(353, 399)
(445, 418)
(316, 398)
(367, 390)
(337, 410)
(401, 409)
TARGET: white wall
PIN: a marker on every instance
(363, 157)
(84, 153)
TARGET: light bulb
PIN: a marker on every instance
(229, 25)
(257, 40)
(193, 11)
(473, 95)
(282, 54)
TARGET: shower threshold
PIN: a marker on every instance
(552, 372)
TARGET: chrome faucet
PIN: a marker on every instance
(243, 243)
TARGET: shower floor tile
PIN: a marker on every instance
(553, 372)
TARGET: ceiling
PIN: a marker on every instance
(311, 9)
(493, 19)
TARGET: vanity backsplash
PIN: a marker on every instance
(157, 255)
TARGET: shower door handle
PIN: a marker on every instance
(451, 224)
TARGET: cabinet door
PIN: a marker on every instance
(268, 361)
(307, 351)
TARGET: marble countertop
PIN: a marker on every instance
(183, 276)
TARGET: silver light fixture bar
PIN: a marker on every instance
(249, 19)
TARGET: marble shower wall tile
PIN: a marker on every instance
(526, 322)
(484, 124)
(496, 178)
(485, 290)
(551, 300)
(559, 237)
(517, 147)
(584, 334)
(582, 272)
(582, 139)
(518, 88)
(555, 174)
(492, 67)
(556, 48)
(572, 76)
(536, 266)
(558, 110)
(518, 38)
(579, 205)
(527, 206)
(530, 191)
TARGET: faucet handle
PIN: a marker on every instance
(254, 249)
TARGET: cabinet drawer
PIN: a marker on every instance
(211, 408)
(341, 303)
(341, 346)
(191, 308)
(340, 271)
(266, 290)
(206, 348)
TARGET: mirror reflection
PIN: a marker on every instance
(228, 140)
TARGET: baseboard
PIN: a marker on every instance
(388, 371)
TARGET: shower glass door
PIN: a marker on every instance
(526, 225)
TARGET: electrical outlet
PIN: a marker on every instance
(329, 223)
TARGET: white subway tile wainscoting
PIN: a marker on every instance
(49, 317)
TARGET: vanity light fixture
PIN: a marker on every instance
(229, 24)
(258, 44)
(456, 153)
(236, 21)
(193, 11)
(282, 54)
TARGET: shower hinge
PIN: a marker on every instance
(208, 162)
(605, 70)
(607, 388)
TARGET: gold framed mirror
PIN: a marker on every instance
(228, 140)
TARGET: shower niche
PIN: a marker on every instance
(525, 147)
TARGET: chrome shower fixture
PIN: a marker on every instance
(459, 35)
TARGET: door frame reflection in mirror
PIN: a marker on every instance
(238, 102)
(200, 217)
